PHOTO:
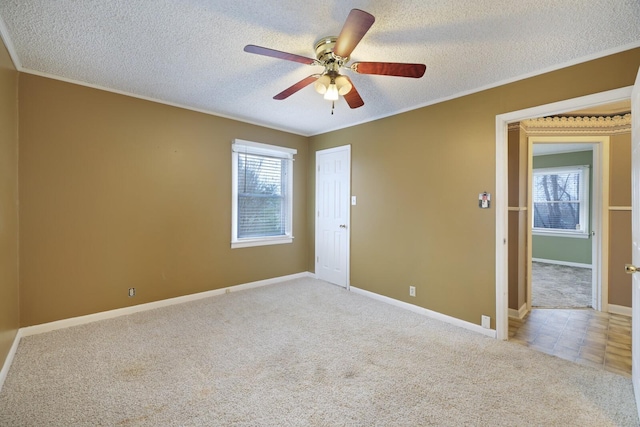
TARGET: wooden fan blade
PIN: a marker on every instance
(296, 87)
(355, 27)
(278, 54)
(353, 97)
(390, 69)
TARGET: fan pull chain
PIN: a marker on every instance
(333, 106)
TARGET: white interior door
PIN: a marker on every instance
(635, 237)
(333, 193)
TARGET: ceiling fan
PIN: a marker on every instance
(333, 53)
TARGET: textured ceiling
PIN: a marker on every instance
(190, 52)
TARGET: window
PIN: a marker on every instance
(561, 201)
(262, 185)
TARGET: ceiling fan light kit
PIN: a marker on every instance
(344, 85)
(333, 53)
(332, 85)
(322, 84)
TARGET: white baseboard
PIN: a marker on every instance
(619, 309)
(426, 312)
(567, 263)
(81, 320)
(520, 313)
(9, 360)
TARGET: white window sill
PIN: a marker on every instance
(555, 233)
(261, 241)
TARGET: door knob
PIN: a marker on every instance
(630, 269)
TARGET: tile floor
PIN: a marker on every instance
(583, 336)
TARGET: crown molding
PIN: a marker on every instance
(595, 125)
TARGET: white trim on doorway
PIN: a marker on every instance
(500, 203)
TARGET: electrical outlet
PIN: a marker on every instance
(412, 291)
(132, 292)
(486, 322)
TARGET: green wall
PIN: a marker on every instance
(569, 249)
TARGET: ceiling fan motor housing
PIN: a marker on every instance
(332, 64)
(324, 52)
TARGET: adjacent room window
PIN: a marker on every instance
(561, 201)
(262, 185)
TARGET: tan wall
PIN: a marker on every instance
(620, 170)
(513, 142)
(417, 177)
(117, 192)
(513, 154)
(620, 221)
(9, 292)
(517, 169)
(517, 260)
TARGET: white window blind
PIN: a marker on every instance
(262, 194)
(561, 200)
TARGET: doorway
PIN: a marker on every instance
(546, 323)
(567, 234)
(501, 202)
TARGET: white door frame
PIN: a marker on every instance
(346, 148)
(635, 231)
(501, 199)
(599, 212)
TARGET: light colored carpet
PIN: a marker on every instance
(560, 286)
(299, 353)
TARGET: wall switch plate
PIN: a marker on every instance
(412, 291)
(353, 200)
(486, 322)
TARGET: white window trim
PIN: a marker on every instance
(557, 233)
(584, 199)
(250, 147)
